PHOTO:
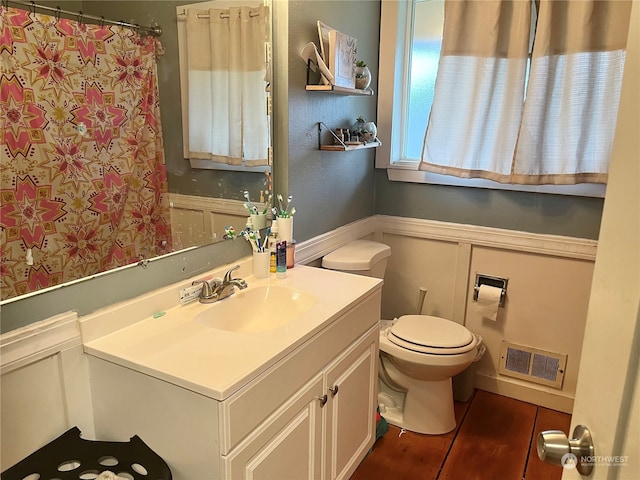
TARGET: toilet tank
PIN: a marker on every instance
(362, 257)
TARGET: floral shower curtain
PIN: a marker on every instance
(82, 177)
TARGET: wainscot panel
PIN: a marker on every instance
(44, 386)
(546, 301)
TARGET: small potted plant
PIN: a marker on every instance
(363, 75)
(365, 131)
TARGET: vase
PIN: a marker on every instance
(365, 131)
(363, 78)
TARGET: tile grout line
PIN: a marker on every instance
(455, 436)
(531, 440)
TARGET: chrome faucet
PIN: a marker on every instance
(207, 294)
(226, 288)
(220, 288)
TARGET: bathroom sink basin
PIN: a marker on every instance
(257, 309)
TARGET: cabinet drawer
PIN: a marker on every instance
(245, 410)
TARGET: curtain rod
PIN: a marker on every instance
(222, 15)
(154, 30)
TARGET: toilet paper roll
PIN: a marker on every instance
(488, 301)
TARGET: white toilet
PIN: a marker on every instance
(418, 353)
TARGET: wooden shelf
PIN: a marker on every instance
(335, 89)
(342, 146)
(347, 148)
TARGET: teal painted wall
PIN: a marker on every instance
(524, 211)
(330, 189)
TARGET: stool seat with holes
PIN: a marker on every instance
(70, 456)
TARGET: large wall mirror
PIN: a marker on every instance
(203, 200)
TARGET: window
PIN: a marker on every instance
(411, 37)
(424, 54)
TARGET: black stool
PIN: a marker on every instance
(70, 457)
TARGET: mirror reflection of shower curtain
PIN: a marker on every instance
(228, 120)
(82, 176)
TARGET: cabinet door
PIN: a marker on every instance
(287, 446)
(352, 389)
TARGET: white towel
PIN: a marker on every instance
(109, 475)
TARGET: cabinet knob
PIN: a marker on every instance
(323, 399)
(333, 390)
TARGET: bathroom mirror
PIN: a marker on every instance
(224, 186)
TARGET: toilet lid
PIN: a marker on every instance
(434, 335)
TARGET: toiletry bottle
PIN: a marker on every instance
(272, 244)
(291, 252)
(281, 260)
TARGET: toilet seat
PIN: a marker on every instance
(432, 335)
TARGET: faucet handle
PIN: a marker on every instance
(206, 288)
(227, 276)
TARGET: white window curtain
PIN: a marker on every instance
(480, 125)
(227, 106)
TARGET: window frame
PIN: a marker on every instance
(395, 42)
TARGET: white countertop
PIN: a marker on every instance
(216, 363)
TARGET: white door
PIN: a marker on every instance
(607, 393)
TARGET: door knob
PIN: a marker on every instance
(555, 448)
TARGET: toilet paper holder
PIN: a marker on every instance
(498, 282)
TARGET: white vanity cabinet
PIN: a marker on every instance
(309, 415)
(324, 430)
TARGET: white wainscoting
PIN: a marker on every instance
(201, 220)
(547, 297)
(44, 386)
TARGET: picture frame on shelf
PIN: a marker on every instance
(342, 58)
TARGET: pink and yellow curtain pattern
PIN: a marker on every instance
(83, 184)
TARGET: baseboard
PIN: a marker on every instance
(526, 393)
